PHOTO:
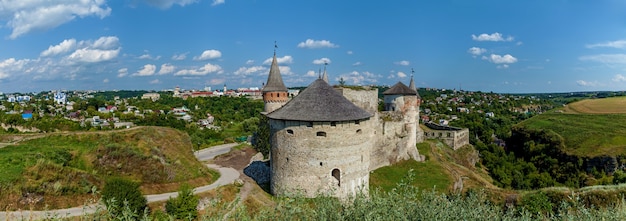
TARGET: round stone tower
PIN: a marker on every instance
(320, 145)
(274, 92)
(404, 100)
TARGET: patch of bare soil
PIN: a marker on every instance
(237, 159)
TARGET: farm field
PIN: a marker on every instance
(612, 105)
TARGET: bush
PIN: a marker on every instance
(119, 193)
(183, 206)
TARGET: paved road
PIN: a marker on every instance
(227, 176)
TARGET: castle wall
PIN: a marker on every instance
(366, 98)
(313, 158)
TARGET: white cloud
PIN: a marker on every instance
(321, 61)
(358, 63)
(310, 43)
(311, 73)
(285, 70)
(491, 37)
(106, 80)
(476, 51)
(619, 78)
(621, 44)
(179, 57)
(26, 16)
(155, 81)
(122, 72)
(606, 58)
(403, 63)
(401, 74)
(586, 83)
(103, 49)
(149, 57)
(499, 59)
(250, 62)
(349, 52)
(12, 66)
(166, 69)
(503, 66)
(359, 78)
(63, 47)
(250, 70)
(147, 70)
(287, 59)
(208, 54)
(217, 2)
(165, 4)
(204, 70)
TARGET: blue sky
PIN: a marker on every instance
(490, 45)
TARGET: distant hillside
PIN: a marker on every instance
(64, 169)
(612, 105)
(585, 134)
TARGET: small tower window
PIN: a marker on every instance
(290, 132)
(321, 164)
(337, 175)
(309, 124)
(333, 123)
(357, 122)
(278, 95)
(321, 134)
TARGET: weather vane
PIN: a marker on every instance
(412, 72)
(275, 47)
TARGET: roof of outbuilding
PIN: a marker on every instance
(274, 80)
(319, 102)
(401, 89)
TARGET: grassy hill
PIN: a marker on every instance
(66, 169)
(589, 128)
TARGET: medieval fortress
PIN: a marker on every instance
(325, 141)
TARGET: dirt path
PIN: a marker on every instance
(227, 176)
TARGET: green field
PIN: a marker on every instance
(63, 167)
(585, 134)
(612, 105)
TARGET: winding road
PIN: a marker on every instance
(227, 176)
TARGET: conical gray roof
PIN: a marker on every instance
(274, 80)
(412, 86)
(319, 102)
(400, 89)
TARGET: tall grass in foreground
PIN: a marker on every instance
(405, 202)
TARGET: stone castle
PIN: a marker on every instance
(326, 141)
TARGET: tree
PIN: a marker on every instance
(183, 206)
(119, 193)
(262, 136)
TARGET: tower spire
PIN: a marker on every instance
(325, 76)
(274, 92)
(412, 83)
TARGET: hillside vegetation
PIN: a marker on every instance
(62, 170)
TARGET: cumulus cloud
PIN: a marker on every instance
(106, 80)
(103, 49)
(321, 61)
(476, 51)
(287, 59)
(500, 59)
(249, 62)
(586, 83)
(204, 70)
(403, 63)
(165, 4)
(250, 70)
(310, 43)
(122, 72)
(149, 57)
(285, 70)
(63, 47)
(12, 66)
(155, 81)
(147, 70)
(606, 58)
(401, 74)
(24, 17)
(208, 54)
(620, 44)
(179, 57)
(311, 73)
(349, 52)
(217, 2)
(491, 37)
(166, 69)
(619, 78)
(359, 78)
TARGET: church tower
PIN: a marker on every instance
(274, 92)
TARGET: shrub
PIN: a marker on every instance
(119, 193)
(183, 206)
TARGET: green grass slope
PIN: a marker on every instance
(587, 135)
(64, 169)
